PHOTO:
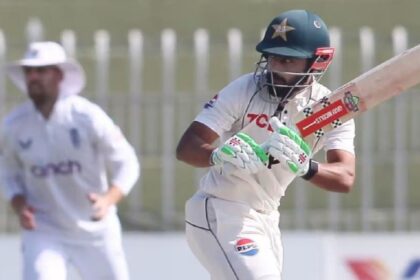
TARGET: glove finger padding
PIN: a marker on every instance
(288, 147)
(242, 152)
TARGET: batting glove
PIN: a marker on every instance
(289, 148)
(240, 152)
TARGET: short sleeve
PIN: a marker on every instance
(341, 138)
(221, 112)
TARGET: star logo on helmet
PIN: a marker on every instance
(280, 30)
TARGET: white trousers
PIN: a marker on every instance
(233, 241)
(46, 257)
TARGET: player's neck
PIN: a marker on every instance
(46, 107)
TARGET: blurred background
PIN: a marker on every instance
(152, 64)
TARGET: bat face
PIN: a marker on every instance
(329, 112)
(379, 84)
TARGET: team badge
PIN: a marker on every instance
(280, 30)
(25, 144)
(246, 247)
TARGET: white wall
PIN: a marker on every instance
(308, 255)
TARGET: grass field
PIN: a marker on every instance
(250, 16)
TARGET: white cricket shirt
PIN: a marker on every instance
(55, 163)
(237, 106)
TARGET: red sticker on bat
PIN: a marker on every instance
(322, 118)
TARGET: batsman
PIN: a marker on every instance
(232, 221)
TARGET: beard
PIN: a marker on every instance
(285, 90)
(37, 93)
(35, 88)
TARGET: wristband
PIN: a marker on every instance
(313, 169)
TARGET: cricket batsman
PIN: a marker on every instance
(232, 221)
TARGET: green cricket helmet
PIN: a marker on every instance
(296, 34)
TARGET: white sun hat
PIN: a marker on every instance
(47, 54)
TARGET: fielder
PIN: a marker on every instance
(232, 222)
(65, 165)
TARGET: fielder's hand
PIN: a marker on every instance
(25, 212)
(240, 152)
(289, 148)
(100, 205)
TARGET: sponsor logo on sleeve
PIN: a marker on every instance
(210, 104)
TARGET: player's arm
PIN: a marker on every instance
(13, 183)
(121, 160)
(124, 170)
(240, 152)
(338, 173)
(195, 146)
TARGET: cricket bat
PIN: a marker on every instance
(373, 87)
(381, 83)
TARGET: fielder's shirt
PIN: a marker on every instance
(55, 163)
(239, 105)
